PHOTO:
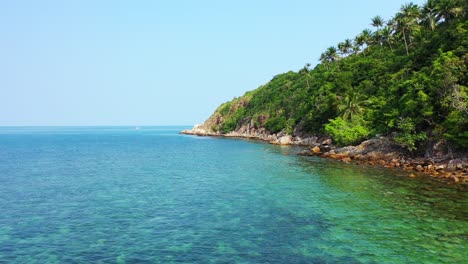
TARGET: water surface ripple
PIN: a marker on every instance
(120, 195)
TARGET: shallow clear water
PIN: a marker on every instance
(120, 195)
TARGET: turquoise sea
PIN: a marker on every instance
(150, 195)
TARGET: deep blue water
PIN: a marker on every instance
(120, 195)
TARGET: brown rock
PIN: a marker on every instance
(316, 150)
(382, 162)
(412, 175)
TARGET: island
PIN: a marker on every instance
(396, 96)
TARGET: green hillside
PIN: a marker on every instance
(405, 77)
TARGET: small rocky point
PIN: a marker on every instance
(379, 151)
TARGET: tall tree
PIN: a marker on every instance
(359, 43)
(412, 13)
(450, 9)
(366, 36)
(406, 21)
(305, 71)
(429, 14)
(332, 54)
(323, 59)
(348, 44)
(377, 22)
(341, 48)
(345, 47)
(387, 36)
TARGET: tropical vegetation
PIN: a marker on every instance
(406, 77)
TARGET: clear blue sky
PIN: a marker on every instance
(171, 62)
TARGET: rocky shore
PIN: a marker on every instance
(379, 151)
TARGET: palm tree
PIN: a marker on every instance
(429, 14)
(305, 71)
(341, 48)
(332, 54)
(345, 47)
(352, 105)
(323, 59)
(356, 48)
(392, 24)
(377, 37)
(450, 9)
(411, 10)
(359, 41)
(430, 20)
(348, 44)
(364, 38)
(367, 34)
(412, 13)
(403, 25)
(377, 22)
(406, 22)
(387, 36)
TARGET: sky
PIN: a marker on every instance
(150, 62)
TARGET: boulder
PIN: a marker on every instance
(316, 150)
(285, 140)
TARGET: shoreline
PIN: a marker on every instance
(378, 152)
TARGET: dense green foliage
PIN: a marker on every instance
(346, 132)
(408, 78)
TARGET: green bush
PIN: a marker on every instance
(346, 132)
(275, 124)
(408, 137)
